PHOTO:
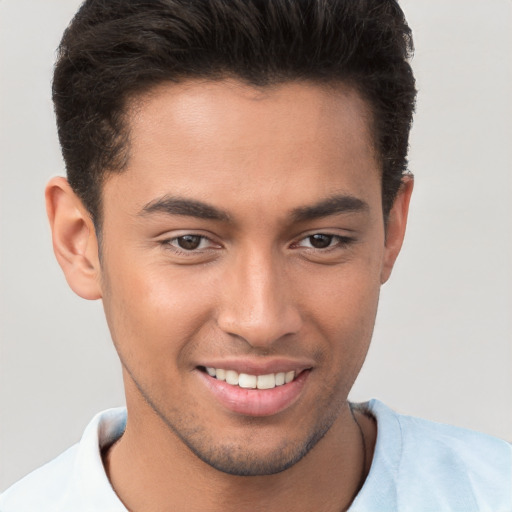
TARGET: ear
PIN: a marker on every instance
(395, 226)
(74, 239)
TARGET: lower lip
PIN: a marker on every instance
(255, 402)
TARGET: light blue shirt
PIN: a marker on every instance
(418, 466)
(422, 466)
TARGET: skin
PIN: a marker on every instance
(254, 290)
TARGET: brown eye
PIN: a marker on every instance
(189, 242)
(320, 241)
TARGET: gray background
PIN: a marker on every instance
(442, 345)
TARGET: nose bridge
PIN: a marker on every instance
(258, 305)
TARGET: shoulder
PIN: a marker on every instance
(454, 457)
(432, 466)
(44, 489)
(474, 450)
(75, 480)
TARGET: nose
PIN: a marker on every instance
(258, 303)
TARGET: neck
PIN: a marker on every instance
(151, 469)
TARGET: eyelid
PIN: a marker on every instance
(343, 240)
(202, 240)
(166, 241)
(340, 241)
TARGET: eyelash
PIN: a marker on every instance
(340, 243)
(180, 250)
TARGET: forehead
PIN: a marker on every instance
(209, 113)
(293, 143)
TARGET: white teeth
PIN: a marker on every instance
(247, 381)
(267, 381)
(232, 377)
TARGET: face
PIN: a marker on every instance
(243, 253)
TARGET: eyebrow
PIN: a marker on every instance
(187, 207)
(334, 205)
(331, 206)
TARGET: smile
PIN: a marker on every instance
(255, 387)
(247, 381)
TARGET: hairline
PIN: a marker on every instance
(135, 100)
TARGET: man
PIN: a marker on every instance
(236, 195)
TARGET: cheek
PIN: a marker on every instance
(151, 311)
(348, 310)
(342, 305)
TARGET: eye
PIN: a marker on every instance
(190, 242)
(323, 241)
(320, 241)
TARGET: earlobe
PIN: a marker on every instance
(74, 239)
(395, 227)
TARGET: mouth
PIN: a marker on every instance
(251, 394)
(248, 381)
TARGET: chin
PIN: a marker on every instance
(243, 460)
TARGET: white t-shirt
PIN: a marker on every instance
(418, 466)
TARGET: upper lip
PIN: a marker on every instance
(259, 367)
